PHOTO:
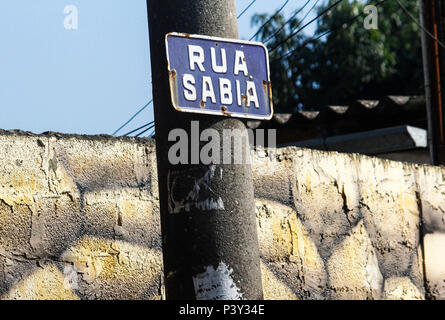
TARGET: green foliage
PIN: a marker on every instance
(349, 63)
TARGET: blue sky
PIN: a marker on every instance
(87, 81)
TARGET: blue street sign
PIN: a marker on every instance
(219, 76)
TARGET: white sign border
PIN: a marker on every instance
(172, 74)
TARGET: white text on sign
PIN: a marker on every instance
(228, 91)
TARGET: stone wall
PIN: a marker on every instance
(79, 219)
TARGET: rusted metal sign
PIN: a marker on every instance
(219, 76)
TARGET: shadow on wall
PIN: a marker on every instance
(79, 219)
(346, 226)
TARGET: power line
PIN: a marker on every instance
(151, 134)
(141, 133)
(341, 26)
(307, 13)
(239, 16)
(145, 106)
(247, 8)
(419, 24)
(134, 116)
(307, 24)
(270, 19)
(303, 27)
(288, 20)
(142, 127)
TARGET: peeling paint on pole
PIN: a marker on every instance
(199, 196)
(216, 284)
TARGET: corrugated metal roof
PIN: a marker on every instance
(388, 105)
(361, 115)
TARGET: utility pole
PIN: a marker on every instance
(432, 17)
(208, 223)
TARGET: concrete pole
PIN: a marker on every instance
(209, 230)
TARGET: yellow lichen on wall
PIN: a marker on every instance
(401, 288)
(286, 246)
(79, 218)
(353, 268)
(47, 283)
(15, 225)
(115, 269)
(273, 288)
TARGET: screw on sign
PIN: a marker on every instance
(219, 76)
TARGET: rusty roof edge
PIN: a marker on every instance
(311, 115)
(367, 104)
(282, 118)
(339, 109)
(408, 102)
